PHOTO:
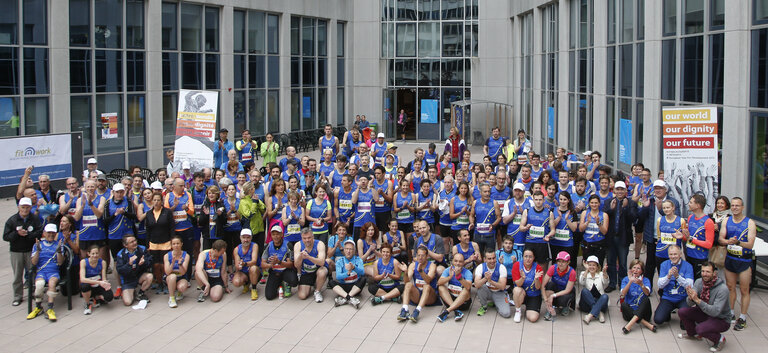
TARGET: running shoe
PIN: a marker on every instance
(443, 315)
(96, 303)
(88, 309)
(16, 302)
(142, 296)
(684, 336)
(481, 311)
(318, 297)
(339, 301)
(118, 292)
(547, 315)
(355, 302)
(245, 288)
(201, 297)
(34, 313)
(718, 346)
(403, 315)
(172, 302)
(179, 295)
(51, 314)
(518, 315)
(254, 294)
(587, 318)
(490, 304)
(376, 300)
(601, 318)
(740, 324)
(565, 311)
(286, 290)
(398, 300)
(458, 315)
(415, 316)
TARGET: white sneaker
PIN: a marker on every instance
(318, 296)
(355, 302)
(518, 315)
(87, 310)
(172, 302)
(601, 317)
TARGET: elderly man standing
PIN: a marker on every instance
(21, 231)
(708, 315)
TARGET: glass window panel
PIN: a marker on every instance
(10, 120)
(406, 10)
(273, 33)
(611, 71)
(322, 106)
(384, 39)
(429, 72)
(760, 11)
(322, 72)
(406, 39)
(429, 39)
(35, 19)
(295, 109)
(191, 71)
(405, 72)
(169, 26)
(239, 70)
(668, 60)
(340, 106)
(453, 37)
(110, 103)
(308, 109)
(109, 71)
(170, 108)
(212, 71)
(453, 72)
(240, 106)
(639, 130)
(136, 121)
(640, 76)
(453, 9)
(79, 22)
(256, 73)
(308, 72)
(625, 70)
(611, 21)
(80, 120)
(273, 71)
(429, 10)
(716, 68)
(322, 38)
(390, 40)
(640, 22)
(295, 36)
(295, 72)
(758, 200)
(467, 72)
(238, 31)
(170, 71)
(79, 71)
(670, 17)
(137, 158)
(134, 70)
(759, 68)
(191, 27)
(308, 36)
(340, 72)
(694, 16)
(9, 23)
(716, 14)
(627, 19)
(35, 70)
(583, 73)
(340, 42)
(111, 161)
(36, 115)
(610, 121)
(273, 107)
(256, 32)
(256, 111)
(692, 69)
(211, 29)
(134, 24)
(107, 23)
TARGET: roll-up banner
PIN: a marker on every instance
(196, 128)
(689, 137)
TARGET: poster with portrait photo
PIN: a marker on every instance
(196, 128)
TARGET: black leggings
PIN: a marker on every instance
(276, 278)
(97, 291)
(643, 311)
(568, 300)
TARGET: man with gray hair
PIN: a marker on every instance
(21, 231)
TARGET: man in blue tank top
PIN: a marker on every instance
(309, 258)
(277, 258)
(491, 283)
(421, 284)
(494, 145)
(433, 242)
(454, 288)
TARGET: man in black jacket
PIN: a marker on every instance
(134, 264)
(21, 231)
(622, 213)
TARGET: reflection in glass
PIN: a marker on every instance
(694, 16)
(239, 107)
(136, 121)
(191, 27)
(273, 30)
(238, 32)
(35, 115)
(429, 39)
(716, 68)
(134, 67)
(35, 18)
(108, 20)
(79, 22)
(406, 39)
(256, 32)
(9, 71)
(170, 108)
(211, 29)
(256, 111)
(134, 23)
(170, 71)
(692, 66)
(80, 119)
(273, 113)
(453, 37)
(169, 26)
(191, 71)
(109, 71)
(212, 71)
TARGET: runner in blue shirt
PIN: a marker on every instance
(635, 293)
(309, 258)
(421, 287)
(47, 255)
(386, 285)
(454, 287)
(350, 277)
(175, 265)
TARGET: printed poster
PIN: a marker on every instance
(50, 154)
(196, 128)
(690, 153)
(625, 141)
(108, 126)
(429, 111)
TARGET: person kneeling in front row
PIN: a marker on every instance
(709, 312)
(454, 287)
(420, 286)
(559, 285)
(350, 277)
(527, 276)
(134, 264)
(211, 271)
(675, 275)
(93, 280)
(491, 284)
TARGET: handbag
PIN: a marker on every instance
(717, 255)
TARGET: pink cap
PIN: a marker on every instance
(563, 256)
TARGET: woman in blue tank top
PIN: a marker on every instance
(594, 224)
(468, 249)
(426, 204)
(397, 240)
(232, 226)
(459, 212)
(88, 212)
(668, 232)
(404, 209)
(93, 279)
(319, 214)
(565, 224)
(175, 264)
(385, 285)
(293, 219)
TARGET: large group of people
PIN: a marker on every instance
(511, 224)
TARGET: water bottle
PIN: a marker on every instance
(280, 292)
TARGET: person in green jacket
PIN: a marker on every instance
(253, 210)
(269, 150)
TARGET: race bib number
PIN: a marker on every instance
(232, 218)
(247, 156)
(462, 220)
(90, 221)
(345, 204)
(518, 218)
(387, 282)
(364, 207)
(198, 208)
(735, 250)
(352, 277)
(95, 278)
(293, 229)
(689, 244)
(309, 268)
(318, 225)
(500, 203)
(419, 283)
(455, 290)
(536, 232)
(667, 238)
(562, 234)
(213, 272)
(483, 227)
(180, 216)
(380, 202)
(403, 214)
